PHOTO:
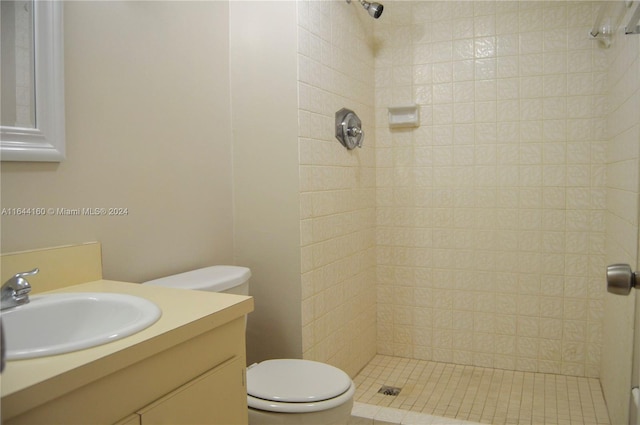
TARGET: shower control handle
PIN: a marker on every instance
(349, 129)
(354, 131)
(620, 279)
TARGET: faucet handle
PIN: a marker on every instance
(29, 273)
(22, 286)
(15, 291)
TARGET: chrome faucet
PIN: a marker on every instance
(15, 291)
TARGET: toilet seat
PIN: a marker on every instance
(297, 386)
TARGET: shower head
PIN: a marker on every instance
(374, 9)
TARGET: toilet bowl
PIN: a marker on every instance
(298, 392)
(279, 391)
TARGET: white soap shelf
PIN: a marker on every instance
(404, 116)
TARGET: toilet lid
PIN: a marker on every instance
(296, 381)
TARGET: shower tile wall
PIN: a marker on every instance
(336, 70)
(491, 214)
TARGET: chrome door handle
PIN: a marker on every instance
(620, 279)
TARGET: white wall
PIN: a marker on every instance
(148, 129)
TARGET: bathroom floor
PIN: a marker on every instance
(432, 391)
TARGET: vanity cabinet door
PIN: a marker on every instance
(219, 396)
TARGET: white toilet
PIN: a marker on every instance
(280, 391)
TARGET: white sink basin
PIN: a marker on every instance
(62, 323)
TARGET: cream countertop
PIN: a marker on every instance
(185, 315)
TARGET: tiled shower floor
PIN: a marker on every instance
(475, 394)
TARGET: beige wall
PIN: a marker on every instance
(491, 214)
(148, 129)
(304, 206)
(337, 186)
(623, 165)
(266, 180)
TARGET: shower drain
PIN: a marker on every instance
(388, 390)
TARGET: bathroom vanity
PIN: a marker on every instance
(188, 367)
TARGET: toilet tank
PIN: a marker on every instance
(227, 279)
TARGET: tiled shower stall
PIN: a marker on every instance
(480, 237)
